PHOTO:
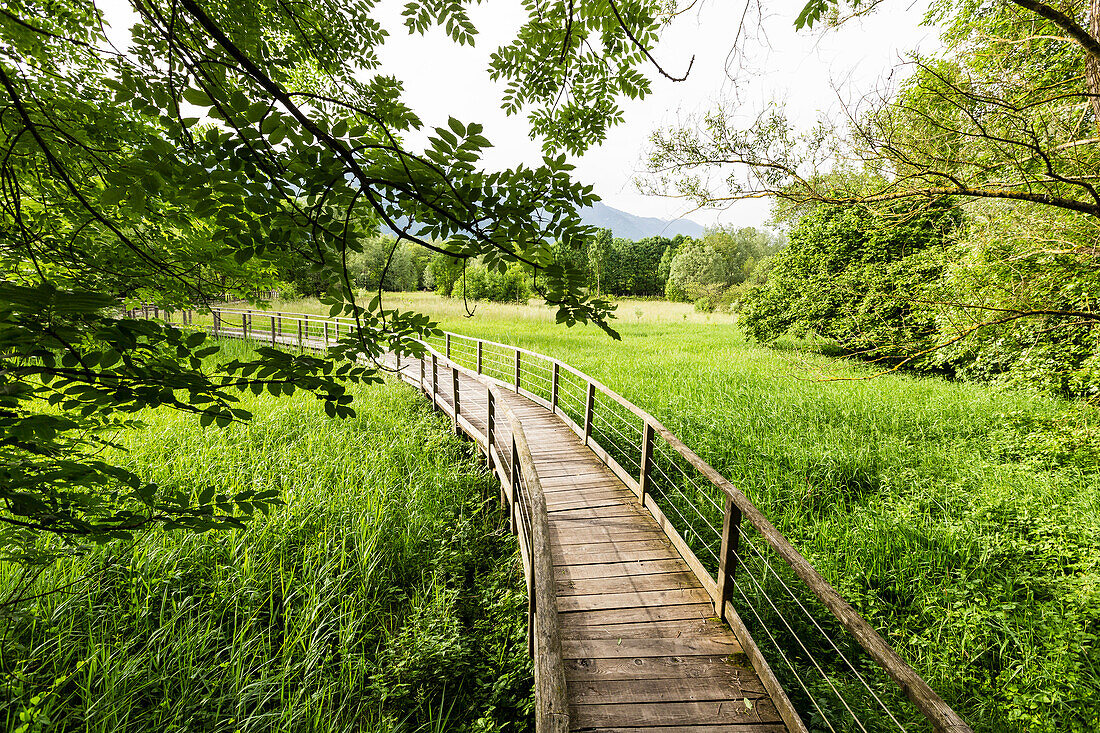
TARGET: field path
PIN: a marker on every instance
(642, 647)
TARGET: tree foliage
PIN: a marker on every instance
(705, 270)
(221, 141)
(1004, 119)
(855, 276)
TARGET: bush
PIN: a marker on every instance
(480, 283)
(399, 266)
(856, 277)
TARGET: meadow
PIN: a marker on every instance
(385, 595)
(961, 519)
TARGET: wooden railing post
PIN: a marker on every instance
(554, 388)
(517, 371)
(326, 334)
(727, 558)
(299, 334)
(454, 394)
(645, 461)
(273, 330)
(513, 510)
(589, 403)
(217, 321)
(435, 383)
(280, 324)
(244, 325)
(447, 351)
(490, 427)
(304, 323)
(423, 384)
(479, 356)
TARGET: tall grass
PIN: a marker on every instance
(962, 521)
(384, 596)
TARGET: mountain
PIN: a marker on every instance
(622, 224)
(629, 226)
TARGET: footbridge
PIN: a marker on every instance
(661, 600)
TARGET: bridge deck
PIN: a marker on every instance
(642, 647)
(643, 650)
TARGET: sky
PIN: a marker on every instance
(804, 70)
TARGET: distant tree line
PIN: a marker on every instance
(711, 271)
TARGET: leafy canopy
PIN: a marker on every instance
(224, 139)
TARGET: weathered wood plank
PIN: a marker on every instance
(568, 555)
(664, 668)
(723, 712)
(633, 615)
(624, 584)
(733, 728)
(633, 599)
(618, 569)
(596, 692)
(634, 648)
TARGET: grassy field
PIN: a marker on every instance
(963, 521)
(384, 596)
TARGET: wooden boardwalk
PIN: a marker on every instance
(627, 626)
(643, 650)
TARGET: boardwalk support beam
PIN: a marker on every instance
(454, 394)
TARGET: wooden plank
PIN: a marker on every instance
(732, 728)
(572, 533)
(634, 648)
(609, 543)
(582, 502)
(596, 479)
(595, 513)
(654, 581)
(595, 692)
(612, 554)
(662, 668)
(672, 713)
(576, 493)
(633, 599)
(649, 629)
(574, 619)
(619, 569)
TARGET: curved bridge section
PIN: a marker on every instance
(645, 567)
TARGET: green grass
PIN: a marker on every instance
(962, 521)
(384, 596)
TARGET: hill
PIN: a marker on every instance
(630, 226)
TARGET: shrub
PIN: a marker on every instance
(480, 283)
(855, 276)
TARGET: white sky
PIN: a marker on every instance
(803, 69)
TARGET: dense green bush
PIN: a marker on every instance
(857, 277)
(481, 283)
(399, 266)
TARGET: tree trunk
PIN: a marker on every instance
(1092, 68)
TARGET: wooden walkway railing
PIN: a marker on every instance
(706, 518)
